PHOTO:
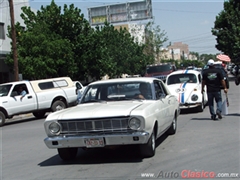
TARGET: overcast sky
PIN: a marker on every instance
(188, 21)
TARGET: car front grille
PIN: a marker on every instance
(105, 126)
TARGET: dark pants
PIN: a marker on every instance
(218, 99)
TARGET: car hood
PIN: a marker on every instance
(96, 110)
(183, 91)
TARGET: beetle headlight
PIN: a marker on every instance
(54, 128)
(135, 123)
(194, 97)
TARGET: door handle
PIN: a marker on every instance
(29, 97)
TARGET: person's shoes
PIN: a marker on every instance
(214, 117)
(219, 114)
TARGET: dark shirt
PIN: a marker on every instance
(213, 78)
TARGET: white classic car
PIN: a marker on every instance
(186, 85)
(112, 113)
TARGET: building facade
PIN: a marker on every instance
(5, 42)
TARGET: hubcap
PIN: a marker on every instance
(153, 141)
(59, 107)
(1, 120)
(174, 123)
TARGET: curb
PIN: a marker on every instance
(20, 117)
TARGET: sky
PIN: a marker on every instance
(186, 21)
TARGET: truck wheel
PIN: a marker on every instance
(148, 150)
(58, 105)
(39, 114)
(67, 154)
(2, 119)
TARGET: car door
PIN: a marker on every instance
(169, 104)
(163, 106)
(17, 105)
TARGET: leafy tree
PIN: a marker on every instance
(227, 28)
(60, 42)
(155, 38)
(47, 47)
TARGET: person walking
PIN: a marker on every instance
(213, 79)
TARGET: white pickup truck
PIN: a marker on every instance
(42, 96)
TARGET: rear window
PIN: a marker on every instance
(52, 84)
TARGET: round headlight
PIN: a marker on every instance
(54, 128)
(134, 123)
(194, 97)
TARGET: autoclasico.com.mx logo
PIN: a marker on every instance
(188, 174)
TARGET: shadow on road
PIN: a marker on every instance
(121, 154)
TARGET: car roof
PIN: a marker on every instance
(136, 79)
(185, 71)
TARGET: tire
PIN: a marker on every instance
(39, 114)
(173, 128)
(148, 150)
(2, 119)
(67, 154)
(237, 81)
(58, 105)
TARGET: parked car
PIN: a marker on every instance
(110, 113)
(186, 86)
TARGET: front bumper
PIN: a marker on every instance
(67, 141)
(190, 105)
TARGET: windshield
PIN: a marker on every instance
(4, 89)
(181, 78)
(160, 68)
(113, 92)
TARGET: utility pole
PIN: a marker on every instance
(14, 41)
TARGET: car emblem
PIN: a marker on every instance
(180, 90)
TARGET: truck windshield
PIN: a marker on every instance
(160, 68)
(4, 89)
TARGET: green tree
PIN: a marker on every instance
(60, 42)
(47, 47)
(155, 38)
(227, 29)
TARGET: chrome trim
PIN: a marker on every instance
(66, 141)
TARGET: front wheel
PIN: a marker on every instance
(58, 105)
(148, 150)
(39, 114)
(2, 119)
(67, 154)
(173, 128)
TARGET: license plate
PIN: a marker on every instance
(94, 142)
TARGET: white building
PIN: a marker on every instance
(5, 42)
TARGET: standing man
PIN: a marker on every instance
(213, 79)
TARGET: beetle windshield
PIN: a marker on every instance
(181, 78)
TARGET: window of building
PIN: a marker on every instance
(2, 31)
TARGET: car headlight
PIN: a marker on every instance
(135, 123)
(194, 97)
(54, 128)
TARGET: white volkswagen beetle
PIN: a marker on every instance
(114, 112)
(186, 85)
